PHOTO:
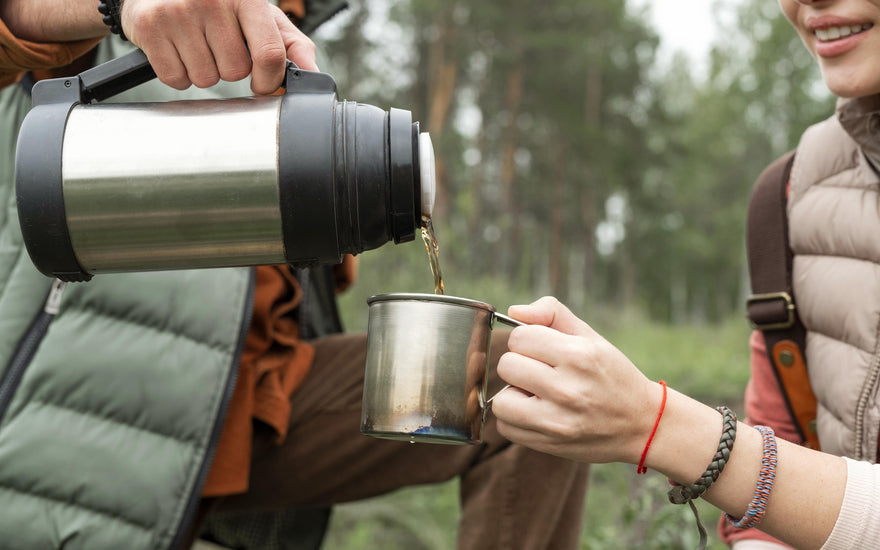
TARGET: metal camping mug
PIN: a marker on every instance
(427, 368)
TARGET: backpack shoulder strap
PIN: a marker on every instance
(771, 308)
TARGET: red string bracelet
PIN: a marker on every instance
(641, 468)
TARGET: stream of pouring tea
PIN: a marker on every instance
(433, 253)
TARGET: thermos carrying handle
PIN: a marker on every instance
(115, 76)
(133, 69)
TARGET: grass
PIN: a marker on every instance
(709, 362)
(624, 511)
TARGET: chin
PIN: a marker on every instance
(850, 92)
(848, 86)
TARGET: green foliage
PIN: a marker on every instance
(623, 511)
(628, 511)
(713, 138)
(706, 361)
(418, 518)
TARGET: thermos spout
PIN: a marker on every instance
(427, 174)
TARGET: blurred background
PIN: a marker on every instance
(583, 151)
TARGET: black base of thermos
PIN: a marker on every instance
(300, 178)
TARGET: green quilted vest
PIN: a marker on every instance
(112, 400)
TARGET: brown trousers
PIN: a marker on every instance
(511, 497)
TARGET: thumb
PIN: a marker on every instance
(550, 312)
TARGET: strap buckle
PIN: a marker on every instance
(771, 311)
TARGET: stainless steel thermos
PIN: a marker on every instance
(300, 178)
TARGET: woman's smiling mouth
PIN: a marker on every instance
(831, 34)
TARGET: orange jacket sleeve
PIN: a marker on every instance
(345, 272)
(297, 8)
(18, 56)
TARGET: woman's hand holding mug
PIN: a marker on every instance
(573, 394)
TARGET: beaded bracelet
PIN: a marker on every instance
(767, 475)
(112, 12)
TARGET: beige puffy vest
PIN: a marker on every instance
(834, 217)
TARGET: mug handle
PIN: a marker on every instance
(510, 321)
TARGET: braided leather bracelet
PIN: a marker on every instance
(680, 494)
(112, 12)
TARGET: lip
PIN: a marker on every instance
(814, 22)
(840, 46)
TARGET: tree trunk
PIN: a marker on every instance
(476, 218)
(509, 143)
(588, 230)
(593, 97)
(442, 81)
(558, 254)
(589, 215)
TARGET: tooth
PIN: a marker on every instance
(822, 34)
(845, 31)
(834, 33)
(855, 29)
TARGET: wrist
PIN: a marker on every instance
(642, 468)
(642, 423)
(111, 10)
(686, 439)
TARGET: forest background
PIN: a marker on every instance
(573, 161)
